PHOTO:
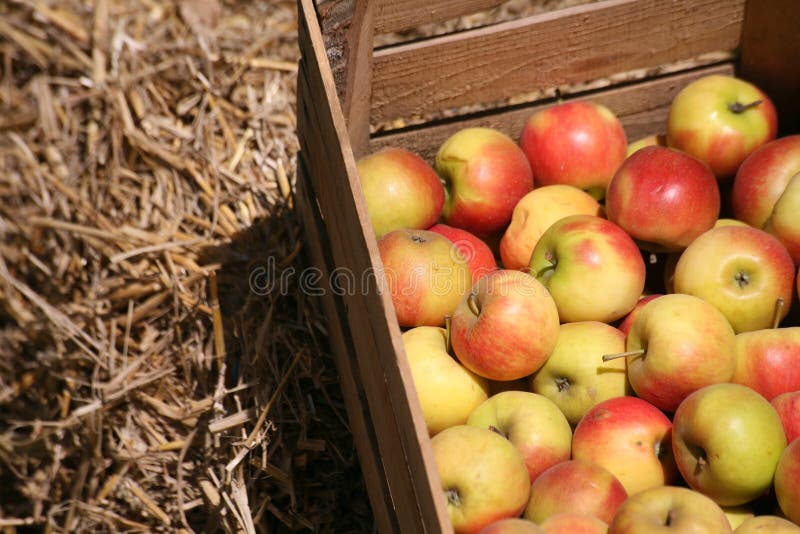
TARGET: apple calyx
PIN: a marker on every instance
(700, 454)
(741, 278)
(562, 384)
(637, 352)
(418, 239)
(453, 497)
(738, 107)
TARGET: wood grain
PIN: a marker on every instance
(642, 107)
(543, 51)
(398, 15)
(771, 56)
(366, 314)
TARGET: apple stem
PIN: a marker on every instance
(738, 107)
(472, 302)
(609, 357)
(447, 343)
(779, 304)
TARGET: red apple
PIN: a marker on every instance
(593, 269)
(627, 321)
(575, 143)
(784, 222)
(741, 271)
(788, 407)
(721, 120)
(401, 190)
(768, 361)
(787, 481)
(663, 198)
(472, 248)
(762, 179)
(685, 344)
(425, 274)
(573, 523)
(485, 174)
(631, 438)
(506, 327)
(578, 486)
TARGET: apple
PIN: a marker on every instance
(768, 360)
(762, 179)
(727, 440)
(738, 514)
(578, 486)
(425, 274)
(668, 509)
(788, 407)
(767, 524)
(727, 221)
(591, 267)
(663, 198)
(787, 481)
(574, 377)
(483, 476)
(447, 391)
(477, 253)
(627, 321)
(571, 523)
(485, 174)
(535, 213)
(741, 271)
(574, 143)
(401, 190)
(631, 438)
(678, 344)
(513, 525)
(721, 120)
(532, 423)
(649, 140)
(784, 222)
(505, 327)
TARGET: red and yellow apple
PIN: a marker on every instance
(401, 190)
(591, 267)
(505, 327)
(788, 407)
(787, 481)
(768, 361)
(425, 275)
(485, 174)
(649, 140)
(629, 437)
(573, 523)
(627, 321)
(578, 486)
(531, 422)
(721, 120)
(513, 525)
(767, 524)
(683, 344)
(483, 477)
(742, 271)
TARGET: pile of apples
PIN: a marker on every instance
(604, 336)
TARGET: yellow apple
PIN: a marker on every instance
(447, 391)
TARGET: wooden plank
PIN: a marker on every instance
(771, 56)
(347, 366)
(642, 107)
(558, 48)
(412, 480)
(398, 15)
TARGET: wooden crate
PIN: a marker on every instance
(344, 86)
